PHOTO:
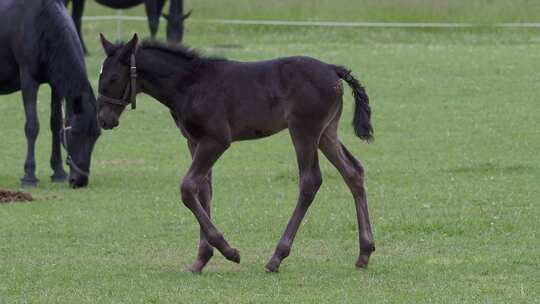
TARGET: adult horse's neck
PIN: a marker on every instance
(60, 51)
(63, 58)
(165, 74)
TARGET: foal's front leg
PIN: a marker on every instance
(206, 251)
(206, 154)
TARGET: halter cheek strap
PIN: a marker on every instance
(70, 161)
(130, 92)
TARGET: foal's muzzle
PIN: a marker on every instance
(108, 123)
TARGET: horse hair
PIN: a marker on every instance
(65, 69)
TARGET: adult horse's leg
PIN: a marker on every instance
(152, 13)
(353, 174)
(29, 89)
(77, 13)
(206, 251)
(175, 21)
(310, 182)
(207, 153)
(59, 174)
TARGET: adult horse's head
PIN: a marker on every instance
(117, 81)
(79, 135)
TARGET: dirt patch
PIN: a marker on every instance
(7, 196)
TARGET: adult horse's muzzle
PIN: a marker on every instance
(78, 177)
(77, 180)
(78, 173)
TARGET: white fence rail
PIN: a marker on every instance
(330, 23)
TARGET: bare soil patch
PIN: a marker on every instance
(7, 196)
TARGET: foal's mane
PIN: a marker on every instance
(186, 53)
(177, 50)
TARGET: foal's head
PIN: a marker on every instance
(117, 85)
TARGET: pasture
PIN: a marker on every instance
(452, 176)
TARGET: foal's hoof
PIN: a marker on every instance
(362, 261)
(272, 267)
(232, 255)
(198, 266)
(196, 269)
(29, 182)
(59, 178)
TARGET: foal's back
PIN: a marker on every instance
(265, 97)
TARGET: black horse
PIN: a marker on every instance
(175, 18)
(39, 44)
(215, 102)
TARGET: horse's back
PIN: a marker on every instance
(264, 97)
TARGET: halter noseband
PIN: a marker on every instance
(129, 92)
(70, 161)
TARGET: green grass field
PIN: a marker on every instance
(453, 177)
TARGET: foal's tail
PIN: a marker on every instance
(362, 111)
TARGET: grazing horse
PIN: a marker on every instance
(39, 44)
(216, 102)
(175, 18)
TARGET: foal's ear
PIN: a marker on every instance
(108, 47)
(130, 48)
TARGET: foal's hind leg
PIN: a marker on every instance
(206, 251)
(353, 174)
(59, 174)
(31, 128)
(206, 154)
(309, 183)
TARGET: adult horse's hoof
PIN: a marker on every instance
(232, 255)
(59, 177)
(29, 182)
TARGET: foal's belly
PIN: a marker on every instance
(258, 124)
(256, 133)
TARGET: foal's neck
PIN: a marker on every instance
(165, 76)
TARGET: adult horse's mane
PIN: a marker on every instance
(61, 52)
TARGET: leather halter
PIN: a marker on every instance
(130, 92)
(69, 160)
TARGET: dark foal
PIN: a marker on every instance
(215, 102)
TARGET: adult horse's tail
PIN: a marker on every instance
(362, 111)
